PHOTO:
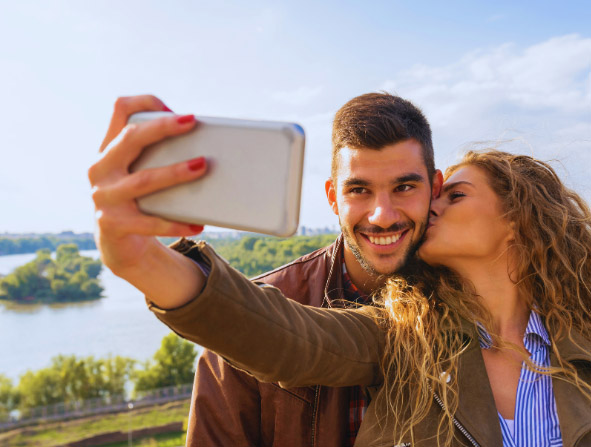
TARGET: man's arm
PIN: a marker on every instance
(125, 236)
(257, 329)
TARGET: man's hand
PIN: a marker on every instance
(125, 236)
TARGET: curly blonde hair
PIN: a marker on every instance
(422, 311)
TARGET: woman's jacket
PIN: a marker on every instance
(255, 328)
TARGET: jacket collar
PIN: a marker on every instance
(476, 408)
(572, 406)
(333, 289)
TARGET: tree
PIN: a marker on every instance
(8, 397)
(39, 388)
(173, 365)
(70, 277)
(117, 372)
(66, 253)
(70, 379)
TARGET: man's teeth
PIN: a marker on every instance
(384, 240)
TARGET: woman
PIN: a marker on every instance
(488, 344)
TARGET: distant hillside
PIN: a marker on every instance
(255, 255)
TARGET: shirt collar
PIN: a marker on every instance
(535, 327)
(352, 293)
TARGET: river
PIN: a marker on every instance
(118, 324)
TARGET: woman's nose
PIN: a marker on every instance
(436, 207)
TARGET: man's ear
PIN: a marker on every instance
(437, 184)
(331, 195)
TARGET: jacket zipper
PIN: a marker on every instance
(456, 422)
(314, 413)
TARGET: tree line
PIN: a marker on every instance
(70, 277)
(13, 246)
(71, 379)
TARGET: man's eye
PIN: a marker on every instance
(404, 188)
(357, 190)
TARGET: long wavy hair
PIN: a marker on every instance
(423, 309)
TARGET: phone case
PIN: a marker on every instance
(253, 181)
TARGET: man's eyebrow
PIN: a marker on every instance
(454, 184)
(405, 178)
(412, 177)
(353, 181)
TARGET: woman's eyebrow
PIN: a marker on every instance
(452, 185)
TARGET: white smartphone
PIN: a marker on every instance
(254, 176)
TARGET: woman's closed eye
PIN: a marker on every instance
(454, 195)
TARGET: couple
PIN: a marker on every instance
(483, 342)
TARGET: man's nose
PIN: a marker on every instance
(384, 213)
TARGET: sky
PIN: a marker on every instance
(514, 74)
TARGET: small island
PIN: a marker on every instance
(69, 278)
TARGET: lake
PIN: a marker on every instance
(118, 324)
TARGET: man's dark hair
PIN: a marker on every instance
(376, 120)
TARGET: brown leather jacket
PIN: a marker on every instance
(232, 408)
(256, 329)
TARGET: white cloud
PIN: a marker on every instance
(540, 95)
(553, 74)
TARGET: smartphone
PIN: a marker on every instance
(254, 176)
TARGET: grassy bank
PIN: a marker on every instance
(59, 433)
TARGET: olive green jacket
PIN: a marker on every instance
(255, 328)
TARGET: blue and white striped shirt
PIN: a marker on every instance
(536, 419)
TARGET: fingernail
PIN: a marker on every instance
(196, 163)
(185, 119)
(166, 109)
(196, 228)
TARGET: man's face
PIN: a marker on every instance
(382, 200)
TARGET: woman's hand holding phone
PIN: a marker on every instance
(125, 236)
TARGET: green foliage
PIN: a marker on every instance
(8, 397)
(70, 277)
(71, 379)
(10, 246)
(254, 255)
(173, 364)
(66, 432)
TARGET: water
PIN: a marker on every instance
(118, 324)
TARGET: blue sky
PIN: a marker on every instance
(502, 70)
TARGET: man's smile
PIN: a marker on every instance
(384, 240)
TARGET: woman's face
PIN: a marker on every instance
(467, 224)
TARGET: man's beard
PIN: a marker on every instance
(364, 263)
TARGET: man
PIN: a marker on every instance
(382, 180)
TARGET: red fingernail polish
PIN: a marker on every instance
(166, 109)
(185, 119)
(196, 163)
(196, 228)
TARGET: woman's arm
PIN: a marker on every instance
(257, 329)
